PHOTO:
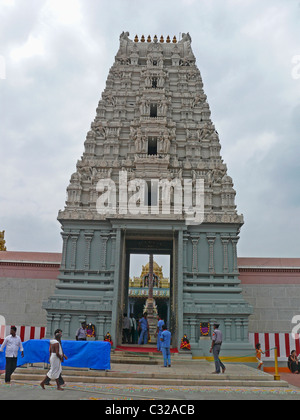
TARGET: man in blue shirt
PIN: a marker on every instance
(160, 324)
(165, 346)
(143, 328)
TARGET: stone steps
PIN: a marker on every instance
(148, 358)
(145, 368)
(152, 378)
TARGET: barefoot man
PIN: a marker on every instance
(56, 358)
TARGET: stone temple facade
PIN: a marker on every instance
(151, 144)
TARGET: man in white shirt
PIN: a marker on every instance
(12, 343)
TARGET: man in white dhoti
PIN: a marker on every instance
(56, 358)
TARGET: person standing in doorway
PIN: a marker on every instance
(126, 329)
(159, 330)
(13, 344)
(165, 339)
(216, 348)
(132, 329)
(144, 329)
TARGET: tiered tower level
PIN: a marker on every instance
(152, 123)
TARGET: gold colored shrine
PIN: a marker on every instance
(158, 281)
(2, 241)
(150, 292)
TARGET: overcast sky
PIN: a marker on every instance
(55, 56)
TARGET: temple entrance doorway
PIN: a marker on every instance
(148, 285)
(140, 283)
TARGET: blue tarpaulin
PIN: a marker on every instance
(82, 354)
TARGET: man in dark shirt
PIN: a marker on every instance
(216, 348)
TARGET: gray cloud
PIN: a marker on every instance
(57, 60)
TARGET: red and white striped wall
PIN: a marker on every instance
(284, 342)
(25, 333)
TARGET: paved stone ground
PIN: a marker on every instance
(292, 379)
(151, 394)
(32, 391)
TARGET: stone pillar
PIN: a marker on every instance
(74, 239)
(235, 263)
(65, 237)
(185, 250)
(186, 329)
(245, 326)
(100, 327)
(238, 325)
(113, 250)
(195, 254)
(227, 324)
(66, 330)
(88, 239)
(225, 241)
(179, 301)
(104, 239)
(211, 240)
(117, 311)
(193, 330)
(56, 322)
(49, 332)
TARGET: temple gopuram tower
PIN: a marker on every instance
(151, 180)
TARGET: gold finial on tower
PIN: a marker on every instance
(161, 39)
(174, 40)
(168, 39)
(136, 39)
(149, 38)
(143, 38)
(2, 241)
